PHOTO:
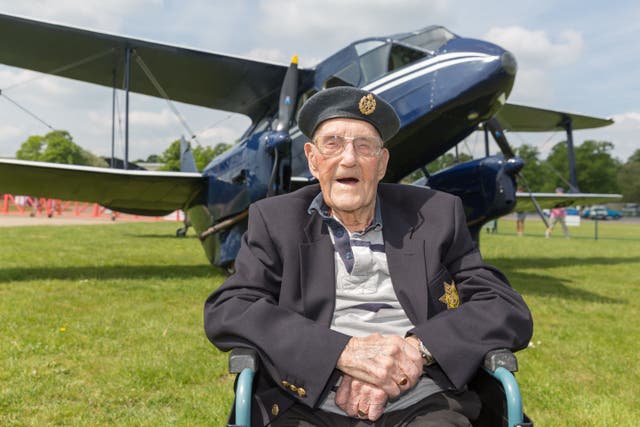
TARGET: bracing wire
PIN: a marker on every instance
(164, 94)
(45, 74)
(62, 68)
(544, 144)
(119, 128)
(26, 110)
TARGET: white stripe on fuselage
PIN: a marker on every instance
(426, 70)
(423, 64)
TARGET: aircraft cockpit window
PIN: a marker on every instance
(348, 76)
(367, 46)
(402, 55)
(389, 57)
(430, 39)
(374, 63)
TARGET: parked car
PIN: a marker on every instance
(601, 212)
(631, 209)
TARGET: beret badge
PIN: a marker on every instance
(367, 104)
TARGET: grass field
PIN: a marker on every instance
(102, 325)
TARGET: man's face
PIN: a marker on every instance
(348, 180)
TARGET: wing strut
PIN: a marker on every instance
(493, 125)
(113, 122)
(568, 127)
(127, 79)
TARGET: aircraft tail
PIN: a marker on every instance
(187, 162)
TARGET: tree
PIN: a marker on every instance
(596, 169)
(534, 171)
(57, 147)
(31, 149)
(629, 178)
(201, 154)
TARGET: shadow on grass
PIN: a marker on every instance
(160, 236)
(574, 237)
(550, 286)
(107, 272)
(555, 262)
(553, 286)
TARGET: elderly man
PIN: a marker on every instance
(368, 303)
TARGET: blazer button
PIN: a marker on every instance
(293, 388)
(275, 409)
(285, 383)
(302, 392)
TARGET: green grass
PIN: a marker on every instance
(102, 325)
(585, 298)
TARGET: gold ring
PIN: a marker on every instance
(362, 414)
(403, 381)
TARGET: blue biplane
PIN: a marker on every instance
(443, 86)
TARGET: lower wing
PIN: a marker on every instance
(135, 192)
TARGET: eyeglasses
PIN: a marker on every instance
(333, 145)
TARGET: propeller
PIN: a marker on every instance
(493, 125)
(280, 140)
(288, 96)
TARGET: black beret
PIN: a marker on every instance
(350, 103)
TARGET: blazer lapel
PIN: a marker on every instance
(406, 259)
(317, 272)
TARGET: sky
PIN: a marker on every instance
(576, 56)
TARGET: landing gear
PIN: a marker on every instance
(182, 231)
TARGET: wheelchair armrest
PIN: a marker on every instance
(500, 365)
(241, 358)
(500, 358)
(244, 362)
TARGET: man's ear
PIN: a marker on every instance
(382, 163)
(312, 160)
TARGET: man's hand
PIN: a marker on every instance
(361, 400)
(387, 362)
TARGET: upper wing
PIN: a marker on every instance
(201, 78)
(521, 118)
(555, 200)
(136, 192)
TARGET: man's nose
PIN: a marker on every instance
(349, 153)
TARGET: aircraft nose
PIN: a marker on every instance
(513, 165)
(509, 63)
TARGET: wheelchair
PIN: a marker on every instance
(494, 383)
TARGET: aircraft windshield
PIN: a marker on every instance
(430, 39)
(388, 57)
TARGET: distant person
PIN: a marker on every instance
(35, 206)
(558, 215)
(520, 217)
